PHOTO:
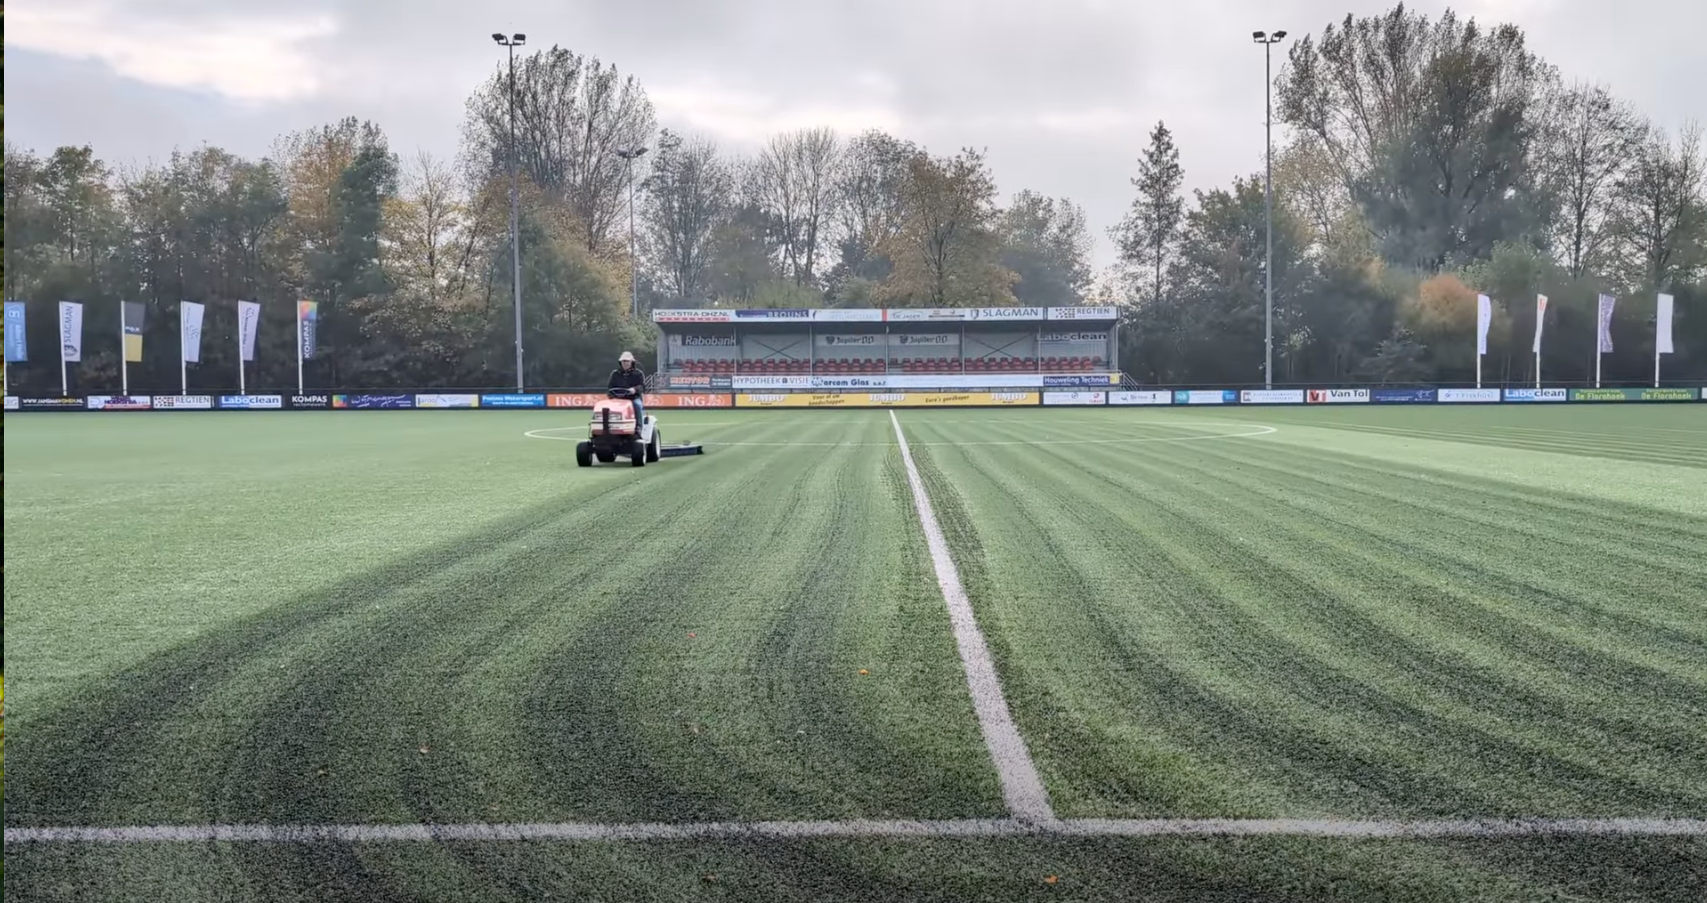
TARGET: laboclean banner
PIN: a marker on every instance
(1271, 396)
(251, 402)
(1536, 395)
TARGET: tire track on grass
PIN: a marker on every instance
(1679, 584)
(1601, 723)
(1280, 652)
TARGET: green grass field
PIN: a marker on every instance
(408, 618)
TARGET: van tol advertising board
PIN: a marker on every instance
(1271, 396)
(183, 402)
(1338, 396)
(1205, 396)
(120, 403)
(251, 402)
(1468, 396)
(1536, 395)
(447, 401)
(1074, 398)
(1159, 396)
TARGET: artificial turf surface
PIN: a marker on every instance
(409, 617)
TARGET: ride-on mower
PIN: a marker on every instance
(613, 434)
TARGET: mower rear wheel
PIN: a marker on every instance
(637, 456)
(584, 454)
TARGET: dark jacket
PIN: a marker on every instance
(628, 379)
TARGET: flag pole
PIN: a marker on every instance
(64, 384)
(124, 359)
(183, 355)
(240, 385)
(299, 390)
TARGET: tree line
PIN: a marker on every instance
(1422, 161)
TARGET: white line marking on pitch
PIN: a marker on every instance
(1260, 431)
(1073, 827)
(1022, 788)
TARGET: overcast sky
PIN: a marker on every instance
(1060, 92)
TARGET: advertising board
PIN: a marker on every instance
(1052, 399)
(310, 402)
(822, 400)
(689, 400)
(1467, 396)
(1205, 396)
(1535, 395)
(972, 399)
(692, 316)
(120, 403)
(700, 382)
(1271, 396)
(251, 402)
(1337, 396)
(574, 399)
(368, 402)
(513, 400)
(183, 402)
(447, 401)
(847, 315)
(1081, 380)
(1403, 396)
(11, 402)
(50, 404)
(1082, 313)
(1650, 394)
(1155, 397)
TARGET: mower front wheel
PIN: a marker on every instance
(637, 456)
(584, 454)
(653, 447)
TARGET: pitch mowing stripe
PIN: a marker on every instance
(1022, 788)
(1075, 827)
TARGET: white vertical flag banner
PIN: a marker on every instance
(190, 321)
(1540, 319)
(70, 331)
(1607, 302)
(248, 323)
(1662, 326)
(1484, 319)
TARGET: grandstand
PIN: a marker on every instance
(914, 348)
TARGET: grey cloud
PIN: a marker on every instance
(961, 72)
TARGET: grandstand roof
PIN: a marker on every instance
(983, 315)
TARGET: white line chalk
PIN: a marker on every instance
(1022, 788)
(1417, 829)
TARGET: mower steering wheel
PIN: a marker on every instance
(620, 393)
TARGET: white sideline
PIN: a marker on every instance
(1418, 829)
(1022, 788)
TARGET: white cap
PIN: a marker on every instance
(626, 356)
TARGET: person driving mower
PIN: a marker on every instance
(628, 375)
